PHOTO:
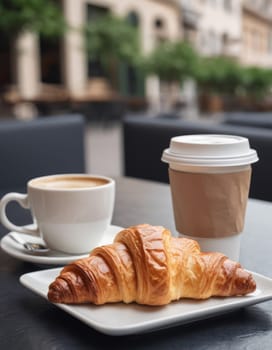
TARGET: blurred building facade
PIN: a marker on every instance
(213, 26)
(38, 63)
(257, 33)
(241, 29)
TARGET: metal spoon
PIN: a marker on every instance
(30, 246)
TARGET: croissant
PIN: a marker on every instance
(147, 265)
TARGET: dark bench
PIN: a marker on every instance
(253, 119)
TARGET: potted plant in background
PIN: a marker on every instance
(43, 17)
(255, 88)
(227, 85)
(218, 80)
(173, 63)
(39, 16)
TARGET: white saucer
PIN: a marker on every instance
(50, 257)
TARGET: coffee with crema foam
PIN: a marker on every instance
(68, 182)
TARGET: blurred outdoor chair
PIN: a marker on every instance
(42, 146)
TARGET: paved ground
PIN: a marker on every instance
(104, 149)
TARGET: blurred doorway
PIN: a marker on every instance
(51, 56)
(5, 61)
(94, 12)
(50, 51)
(131, 80)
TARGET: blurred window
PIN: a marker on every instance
(270, 42)
(160, 30)
(228, 5)
(224, 42)
(133, 78)
(95, 12)
(256, 40)
(246, 38)
(158, 23)
(202, 41)
(212, 42)
(5, 60)
(50, 51)
(133, 19)
(51, 57)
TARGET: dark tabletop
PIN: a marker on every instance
(27, 321)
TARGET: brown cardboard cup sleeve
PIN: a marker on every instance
(209, 205)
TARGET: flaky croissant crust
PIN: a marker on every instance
(147, 265)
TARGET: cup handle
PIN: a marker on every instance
(22, 199)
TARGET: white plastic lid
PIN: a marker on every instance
(210, 150)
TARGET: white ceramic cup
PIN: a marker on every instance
(208, 155)
(71, 212)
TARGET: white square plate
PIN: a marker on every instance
(122, 319)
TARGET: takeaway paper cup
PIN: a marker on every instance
(210, 179)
